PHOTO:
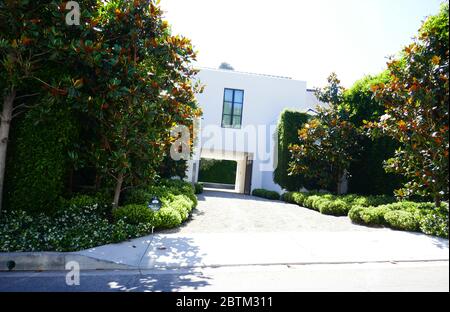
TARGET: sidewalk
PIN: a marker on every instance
(172, 251)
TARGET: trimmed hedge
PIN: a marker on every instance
(287, 134)
(330, 204)
(266, 194)
(177, 198)
(378, 210)
(407, 216)
(367, 175)
(434, 221)
(38, 159)
(134, 214)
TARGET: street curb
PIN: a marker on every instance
(54, 261)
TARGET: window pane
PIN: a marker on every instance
(228, 95)
(237, 109)
(236, 121)
(238, 96)
(226, 120)
(227, 108)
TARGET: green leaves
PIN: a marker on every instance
(416, 101)
(327, 142)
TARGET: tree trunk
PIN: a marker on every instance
(340, 182)
(118, 190)
(437, 201)
(6, 115)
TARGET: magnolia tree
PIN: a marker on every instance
(116, 64)
(34, 41)
(135, 82)
(327, 141)
(417, 101)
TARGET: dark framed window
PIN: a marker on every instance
(233, 104)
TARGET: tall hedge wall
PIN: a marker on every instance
(40, 144)
(367, 175)
(287, 131)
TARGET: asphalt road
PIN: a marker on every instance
(388, 277)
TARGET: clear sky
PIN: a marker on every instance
(302, 39)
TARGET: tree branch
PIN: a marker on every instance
(27, 95)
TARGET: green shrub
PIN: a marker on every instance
(402, 220)
(367, 201)
(198, 188)
(182, 204)
(404, 205)
(266, 194)
(38, 159)
(175, 187)
(134, 214)
(83, 222)
(299, 198)
(374, 215)
(367, 175)
(137, 196)
(349, 198)
(294, 197)
(69, 230)
(320, 203)
(81, 201)
(168, 218)
(361, 201)
(334, 207)
(287, 197)
(310, 201)
(287, 132)
(355, 214)
(85, 204)
(435, 221)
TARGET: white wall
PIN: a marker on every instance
(265, 97)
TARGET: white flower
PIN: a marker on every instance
(385, 117)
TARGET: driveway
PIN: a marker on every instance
(224, 212)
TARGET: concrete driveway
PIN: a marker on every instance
(224, 212)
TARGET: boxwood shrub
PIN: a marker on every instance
(266, 194)
(402, 220)
(334, 207)
(381, 210)
(134, 214)
(434, 221)
(407, 216)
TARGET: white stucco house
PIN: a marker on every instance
(240, 114)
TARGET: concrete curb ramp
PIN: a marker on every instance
(54, 261)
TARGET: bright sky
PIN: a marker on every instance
(302, 39)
